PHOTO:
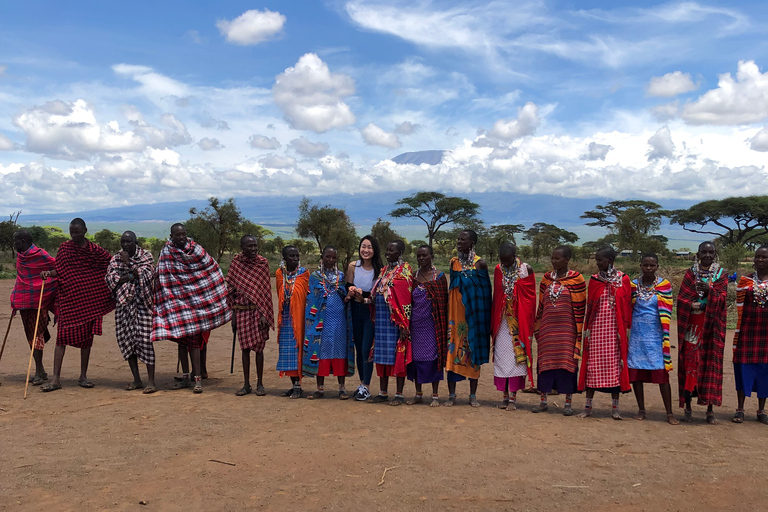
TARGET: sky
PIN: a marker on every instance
(107, 104)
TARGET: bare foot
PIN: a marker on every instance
(418, 399)
(616, 415)
(451, 401)
(511, 406)
(503, 404)
(586, 413)
(473, 401)
(711, 418)
(434, 403)
(671, 419)
(640, 416)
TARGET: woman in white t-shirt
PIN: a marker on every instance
(361, 275)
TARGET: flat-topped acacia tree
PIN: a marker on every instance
(436, 210)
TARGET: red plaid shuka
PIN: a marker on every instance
(83, 295)
(190, 294)
(248, 286)
(750, 342)
(26, 290)
(437, 291)
(711, 342)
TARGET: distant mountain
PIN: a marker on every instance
(279, 213)
(430, 157)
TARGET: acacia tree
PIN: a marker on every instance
(7, 229)
(545, 237)
(436, 210)
(327, 226)
(633, 223)
(734, 220)
(217, 226)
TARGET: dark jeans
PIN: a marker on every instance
(362, 331)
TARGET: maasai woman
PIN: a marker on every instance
(514, 309)
(392, 305)
(429, 326)
(649, 357)
(701, 317)
(360, 277)
(559, 321)
(292, 283)
(609, 316)
(750, 343)
(328, 345)
(469, 317)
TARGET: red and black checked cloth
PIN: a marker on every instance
(26, 290)
(83, 295)
(248, 285)
(709, 385)
(437, 290)
(190, 294)
(750, 342)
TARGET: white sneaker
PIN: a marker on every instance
(363, 395)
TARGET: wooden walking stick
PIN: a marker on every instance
(6, 336)
(234, 339)
(34, 338)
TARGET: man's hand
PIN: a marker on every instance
(263, 322)
(702, 288)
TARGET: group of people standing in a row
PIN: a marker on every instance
(423, 326)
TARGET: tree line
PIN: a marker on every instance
(737, 225)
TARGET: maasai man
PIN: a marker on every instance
(750, 343)
(328, 345)
(469, 317)
(391, 321)
(429, 326)
(130, 276)
(701, 317)
(609, 316)
(512, 317)
(559, 322)
(250, 297)
(190, 298)
(649, 357)
(82, 299)
(292, 283)
(31, 261)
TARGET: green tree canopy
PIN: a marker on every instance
(217, 227)
(108, 240)
(7, 229)
(327, 225)
(384, 234)
(633, 222)
(545, 237)
(436, 210)
(734, 220)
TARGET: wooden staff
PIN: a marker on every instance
(6, 336)
(34, 338)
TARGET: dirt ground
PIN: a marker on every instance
(109, 449)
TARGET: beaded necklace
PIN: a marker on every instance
(646, 293)
(328, 276)
(469, 263)
(759, 291)
(289, 279)
(434, 274)
(509, 276)
(705, 275)
(555, 288)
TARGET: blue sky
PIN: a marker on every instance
(104, 104)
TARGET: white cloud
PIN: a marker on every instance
(596, 151)
(526, 123)
(277, 162)
(671, 84)
(743, 100)
(310, 149)
(311, 97)
(69, 131)
(407, 128)
(252, 27)
(661, 145)
(263, 142)
(153, 84)
(375, 136)
(194, 36)
(209, 144)
(760, 141)
(5, 143)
